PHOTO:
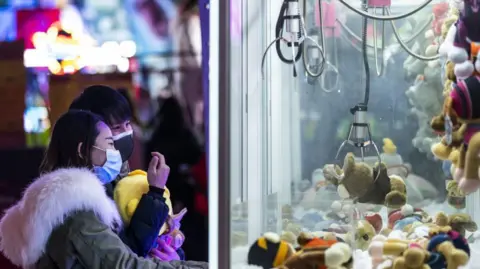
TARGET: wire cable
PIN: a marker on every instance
(365, 56)
(365, 13)
(406, 48)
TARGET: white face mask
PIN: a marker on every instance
(111, 168)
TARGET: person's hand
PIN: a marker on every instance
(164, 252)
(158, 171)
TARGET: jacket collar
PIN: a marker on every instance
(46, 203)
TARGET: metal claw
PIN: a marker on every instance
(358, 137)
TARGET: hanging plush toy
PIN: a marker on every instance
(466, 35)
(461, 107)
(444, 148)
(127, 195)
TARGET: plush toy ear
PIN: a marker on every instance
(471, 226)
(131, 207)
(332, 174)
(179, 216)
(348, 164)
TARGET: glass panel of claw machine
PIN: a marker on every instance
(362, 150)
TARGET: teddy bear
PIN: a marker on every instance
(127, 195)
(466, 34)
(367, 184)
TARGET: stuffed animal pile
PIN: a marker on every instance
(414, 241)
(327, 252)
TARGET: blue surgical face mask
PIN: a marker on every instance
(111, 168)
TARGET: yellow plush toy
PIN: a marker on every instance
(127, 195)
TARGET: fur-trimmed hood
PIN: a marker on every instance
(46, 203)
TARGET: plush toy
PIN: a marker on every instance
(321, 254)
(360, 237)
(445, 248)
(466, 34)
(397, 251)
(455, 196)
(412, 258)
(407, 215)
(442, 149)
(289, 237)
(440, 14)
(460, 108)
(360, 181)
(449, 256)
(269, 251)
(425, 94)
(127, 195)
(459, 222)
(448, 33)
(375, 220)
(425, 98)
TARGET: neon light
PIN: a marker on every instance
(66, 54)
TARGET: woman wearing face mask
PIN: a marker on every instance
(65, 219)
(141, 233)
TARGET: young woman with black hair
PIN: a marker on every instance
(65, 219)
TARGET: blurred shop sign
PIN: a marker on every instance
(62, 90)
(13, 84)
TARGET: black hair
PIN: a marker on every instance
(71, 129)
(104, 101)
(133, 108)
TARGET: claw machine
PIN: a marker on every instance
(323, 133)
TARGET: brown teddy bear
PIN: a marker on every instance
(367, 184)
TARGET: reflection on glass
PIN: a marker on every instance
(294, 184)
